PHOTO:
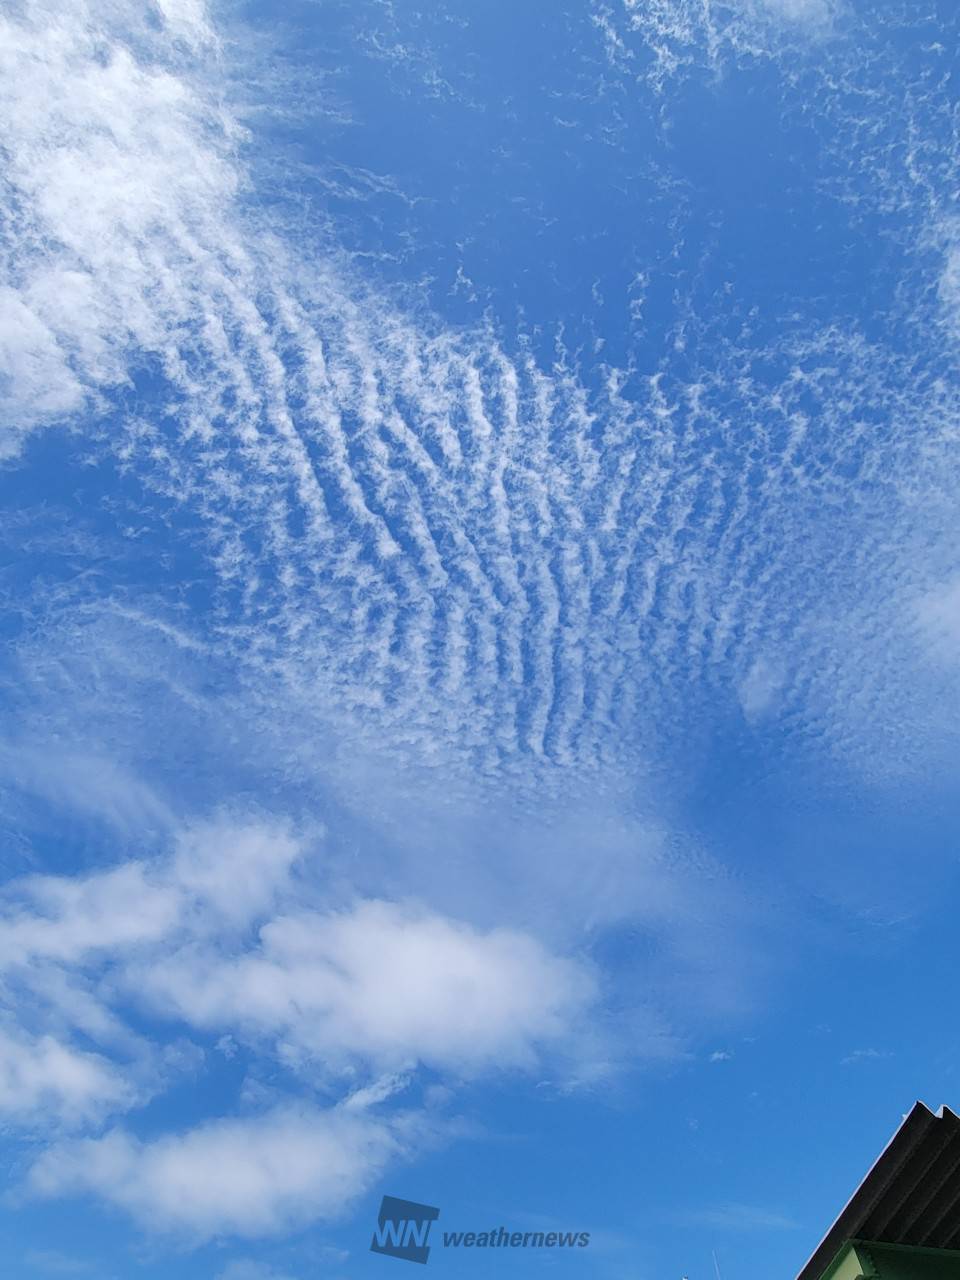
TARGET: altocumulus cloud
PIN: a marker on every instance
(464, 557)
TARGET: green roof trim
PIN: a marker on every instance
(868, 1260)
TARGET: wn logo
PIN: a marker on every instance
(403, 1227)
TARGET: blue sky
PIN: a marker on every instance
(481, 644)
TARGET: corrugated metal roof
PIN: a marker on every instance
(910, 1196)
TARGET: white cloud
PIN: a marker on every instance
(38, 382)
(233, 870)
(759, 689)
(459, 590)
(739, 1217)
(858, 1056)
(814, 12)
(108, 186)
(43, 1080)
(244, 1177)
(680, 34)
(222, 873)
(68, 917)
(376, 983)
(382, 983)
(65, 941)
(372, 991)
(188, 20)
(84, 782)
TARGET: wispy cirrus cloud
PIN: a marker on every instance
(739, 1217)
(667, 38)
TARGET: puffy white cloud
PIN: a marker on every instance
(373, 985)
(42, 1079)
(67, 917)
(234, 871)
(382, 982)
(64, 941)
(246, 1177)
(221, 874)
(369, 992)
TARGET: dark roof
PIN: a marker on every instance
(910, 1196)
